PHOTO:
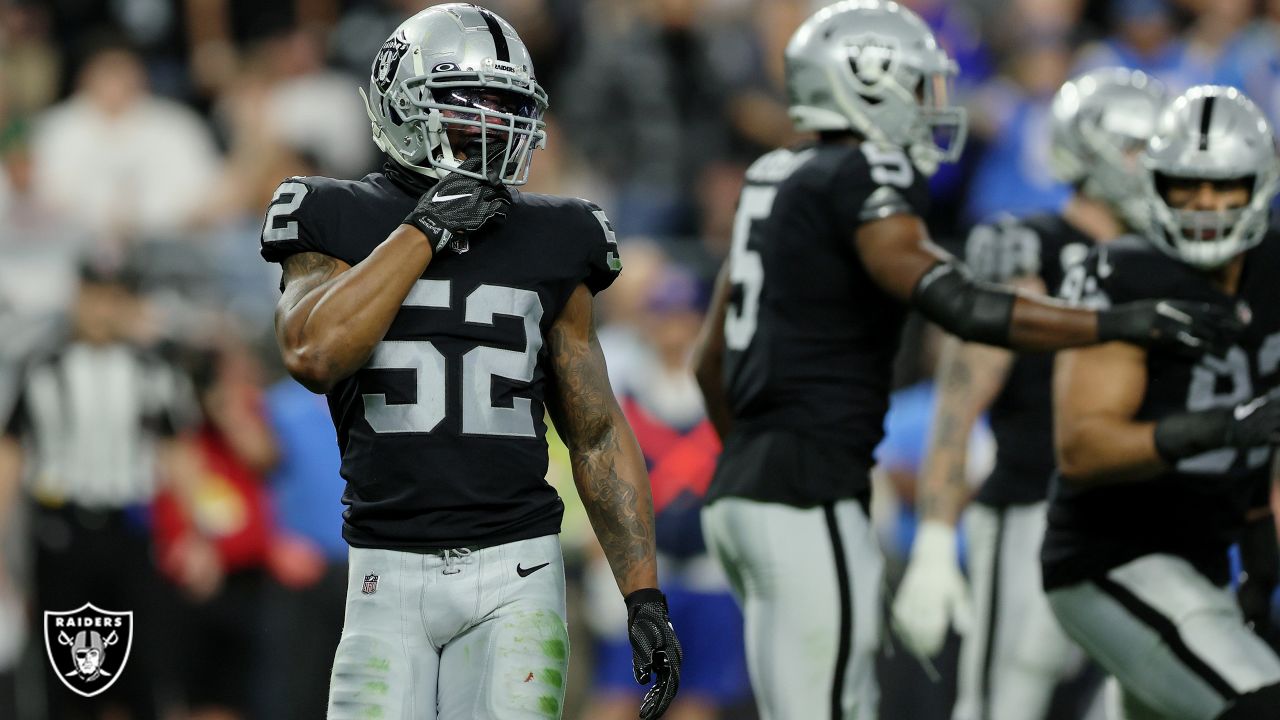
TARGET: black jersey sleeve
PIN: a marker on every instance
(291, 225)
(1003, 251)
(603, 257)
(874, 182)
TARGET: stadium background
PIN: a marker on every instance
(148, 135)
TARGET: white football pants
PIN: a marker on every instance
(453, 635)
(1016, 653)
(1176, 643)
(809, 581)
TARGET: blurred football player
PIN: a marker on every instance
(1163, 461)
(443, 311)
(1015, 654)
(829, 253)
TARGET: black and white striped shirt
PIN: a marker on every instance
(89, 417)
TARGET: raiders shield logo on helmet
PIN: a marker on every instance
(872, 58)
(88, 647)
(387, 61)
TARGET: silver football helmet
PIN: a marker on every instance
(456, 73)
(1100, 123)
(1210, 132)
(874, 67)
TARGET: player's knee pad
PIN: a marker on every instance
(1261, 704)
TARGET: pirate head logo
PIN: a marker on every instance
(88, 647)
(387, 61)
(872, 58)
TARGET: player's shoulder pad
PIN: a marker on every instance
(1125, 269)
(588, 235)
(869, 182)
(293, 218)
(305, 210)
(604, 257)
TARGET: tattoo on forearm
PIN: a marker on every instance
(621, 514)
(958, 376)
(949, 442)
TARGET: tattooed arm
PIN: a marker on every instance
(708, 357)
(607, 465)
(933, 595)
(331, 315)
(969, 378)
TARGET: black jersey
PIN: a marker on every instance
(441, 432)
(1021, 417)
(809, 337)
(1196, 509)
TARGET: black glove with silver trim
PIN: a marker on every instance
(655, 650)
(460, 204)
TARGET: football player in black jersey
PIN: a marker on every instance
(829, 250)
(442, 312)
(1014, 654)
(1163, 461)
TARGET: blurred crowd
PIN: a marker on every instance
(140, 142)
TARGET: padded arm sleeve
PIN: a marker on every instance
(973, 310)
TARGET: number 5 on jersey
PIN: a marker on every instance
(745, 266)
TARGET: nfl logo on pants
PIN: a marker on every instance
(370, 584)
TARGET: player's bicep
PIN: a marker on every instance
(582, 403)
(302, 276)
(896, 252)
(1098, 388)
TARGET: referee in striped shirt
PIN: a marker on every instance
(95, 424)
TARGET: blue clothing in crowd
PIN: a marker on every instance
(306, 486)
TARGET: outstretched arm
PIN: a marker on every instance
(708, 357)
(933, 595)
(899, 257)
(608, 467)
(331, 315)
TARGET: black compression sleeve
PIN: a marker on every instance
(971, 309)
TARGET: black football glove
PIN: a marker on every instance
(1249, 424)
(655, 650)
(1185, 327)
(460, 204)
